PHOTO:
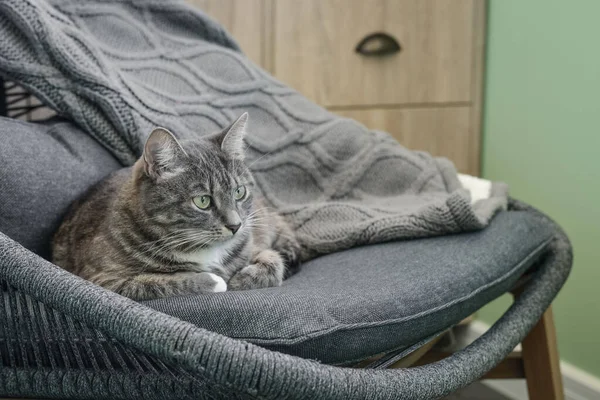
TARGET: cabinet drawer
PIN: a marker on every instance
(315, 41)
(243, 19)
(442, 131)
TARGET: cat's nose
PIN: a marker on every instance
(233, 227)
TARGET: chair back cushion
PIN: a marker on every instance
(44, 167)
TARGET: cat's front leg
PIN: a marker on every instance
(266, 270)
(151, 285)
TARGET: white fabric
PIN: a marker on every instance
(479, 188)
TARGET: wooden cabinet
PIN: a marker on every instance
(427, 94)
(244, 19)
(442, 131)
(315, 43)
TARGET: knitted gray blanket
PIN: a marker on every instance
(120, 68)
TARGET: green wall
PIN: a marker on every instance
(542, 136)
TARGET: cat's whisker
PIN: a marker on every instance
(253, 222)
(163, 239)
(269, 227)
(167, 241)
(279, 234)
(255, 216)
(258, 220)
(186, 236)
(259, 158)
(174, 235)
(256, 211)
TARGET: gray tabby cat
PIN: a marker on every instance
(183, 219)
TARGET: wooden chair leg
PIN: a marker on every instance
(541, 361)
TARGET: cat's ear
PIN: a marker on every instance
(161, 152)
(232, 138)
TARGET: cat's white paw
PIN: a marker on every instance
(220, 285)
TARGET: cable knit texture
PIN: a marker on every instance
(120, 68)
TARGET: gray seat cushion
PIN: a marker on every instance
(339, 308)
(354, 304)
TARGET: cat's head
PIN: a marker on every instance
(200, 191)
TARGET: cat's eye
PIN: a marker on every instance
(240, 192)
(202, 202)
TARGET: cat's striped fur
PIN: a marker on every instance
(139, 233)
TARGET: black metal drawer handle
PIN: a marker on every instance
(378, 44)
